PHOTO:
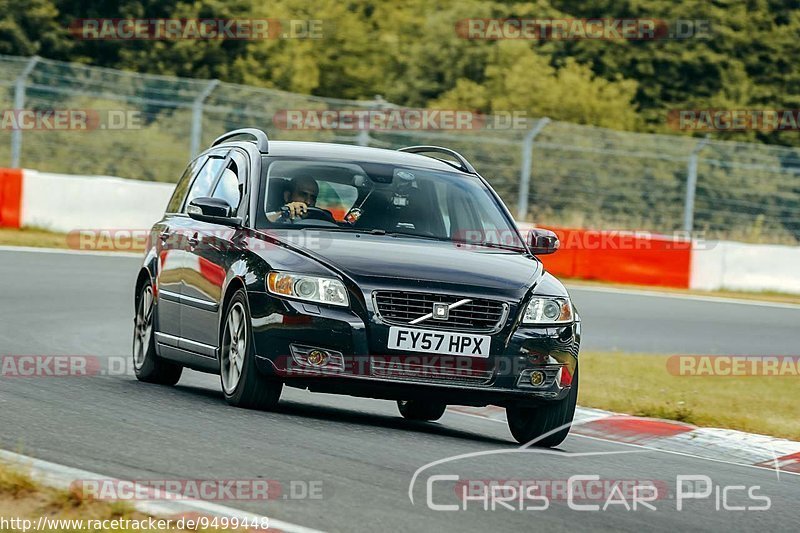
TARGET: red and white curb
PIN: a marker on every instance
(675, 437)
(62, 477)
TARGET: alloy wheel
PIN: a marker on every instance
(234, 348)
(143, 327)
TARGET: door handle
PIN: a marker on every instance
(193, 240)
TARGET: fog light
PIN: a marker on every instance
(317, 357)
(537, 378)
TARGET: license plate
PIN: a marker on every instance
(423, 340)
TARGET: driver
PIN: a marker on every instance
(301, 195)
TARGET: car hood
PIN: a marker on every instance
(381, 260)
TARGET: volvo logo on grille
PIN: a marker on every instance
(441, 311)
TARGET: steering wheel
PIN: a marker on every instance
(315, 213)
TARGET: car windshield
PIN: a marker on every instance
(383, 198)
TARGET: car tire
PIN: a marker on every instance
(529, 423)
(147, 365)
(418, 410)
(242, 383)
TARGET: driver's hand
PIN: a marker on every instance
(297, 209)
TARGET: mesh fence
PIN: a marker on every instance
(580, 176)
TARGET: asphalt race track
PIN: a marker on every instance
(358, 455)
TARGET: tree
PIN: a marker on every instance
(32, 27)
(519, 79)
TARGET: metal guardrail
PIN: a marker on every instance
(553, 172)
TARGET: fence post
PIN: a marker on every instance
(691, 187)
(197, 117)
(525, 171)
(19, 103)
(362, 138)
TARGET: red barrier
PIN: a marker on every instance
(622, 257)
(10, 197)
(213, 273)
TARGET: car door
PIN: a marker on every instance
(168, 267)
(174, 269)
(215, 247)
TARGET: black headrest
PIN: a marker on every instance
(275, 193)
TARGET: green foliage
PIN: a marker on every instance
(410, 53)
(519, 79)
(31, 27)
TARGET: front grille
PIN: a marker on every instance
(478, 315)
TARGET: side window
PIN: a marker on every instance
(205, 178)
(228, 186)
(174, 205)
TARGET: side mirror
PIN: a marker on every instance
(543, 241)
(214, 210)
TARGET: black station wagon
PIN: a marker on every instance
(391, 274)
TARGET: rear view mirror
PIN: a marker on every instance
(543, 241)
(214, 210)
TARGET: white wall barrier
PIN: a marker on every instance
(60, 202)
(746, 267)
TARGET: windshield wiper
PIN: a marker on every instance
(379, 231)
(318, 228)
(417, 236)
(494, 245)
(444, 239)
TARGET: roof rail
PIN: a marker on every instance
(462, 164)
(262, 141)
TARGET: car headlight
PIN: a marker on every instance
(308, 288)
(548, 310)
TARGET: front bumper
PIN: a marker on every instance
(365, 367)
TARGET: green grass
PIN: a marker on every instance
(15, 483)
(42, 238)
(34, 237)
(641, 385)
(22, 497)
